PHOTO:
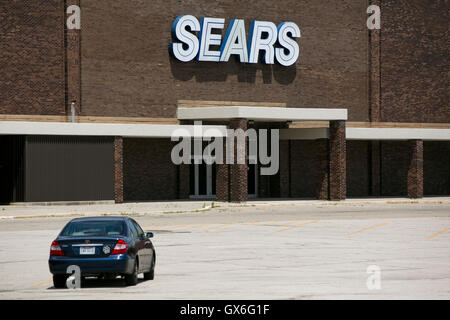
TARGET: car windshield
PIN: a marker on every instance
(94, 228)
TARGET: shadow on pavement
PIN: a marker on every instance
(102, 283)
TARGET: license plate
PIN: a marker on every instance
(87, 250)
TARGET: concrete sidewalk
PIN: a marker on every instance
(18, 211)
(106, 208)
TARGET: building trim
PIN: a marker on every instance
(210, 104)
(87, 119)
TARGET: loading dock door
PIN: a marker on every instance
(69, 168)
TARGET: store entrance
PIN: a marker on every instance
(203, 181)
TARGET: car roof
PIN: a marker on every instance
(110, 218)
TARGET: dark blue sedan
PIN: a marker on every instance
(105, 247)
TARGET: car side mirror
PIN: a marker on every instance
(149, 234)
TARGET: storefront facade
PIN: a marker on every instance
(87, 114)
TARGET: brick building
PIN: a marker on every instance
(87, 114)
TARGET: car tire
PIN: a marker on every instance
(59, 281)
(132, 279)
(151, 274)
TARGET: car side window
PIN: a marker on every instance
(138, 228)
(133, 229)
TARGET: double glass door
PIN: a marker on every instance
(203, 181)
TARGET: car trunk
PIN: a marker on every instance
(87, 247)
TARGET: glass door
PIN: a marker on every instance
(203, 181)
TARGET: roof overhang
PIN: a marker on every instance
(266, 114)
(397, 134)
(110, 129)
(391, 134)
(167, 131)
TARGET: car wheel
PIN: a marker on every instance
(151, 274)
(59, 281)
(132, 279)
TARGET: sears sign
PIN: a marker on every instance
(264, 38)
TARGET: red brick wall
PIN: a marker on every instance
(337, 161)
(415, 169)
(127, 70)
(148, 172)
(118, 169)
(414, 61)
(32, 57)
(322, 169)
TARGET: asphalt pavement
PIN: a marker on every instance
(287, 250)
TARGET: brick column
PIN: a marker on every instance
(223, 178)
(118, 169)
(337, 161)
(238, 172)
(374, 71)
(73, 63)
(322, 170)
(415, 169)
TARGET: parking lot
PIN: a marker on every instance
(291, 251)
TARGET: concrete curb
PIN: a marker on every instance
(96, 214)
(384, 201)
(60, 203)
(272, 203)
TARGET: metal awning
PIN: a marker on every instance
(109, 129)
(266, 114)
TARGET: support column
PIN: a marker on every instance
(238, 172)
(73, 63)
(223, 178)
(337, 161)
(322, 169)
(415, 169)
(118, 169)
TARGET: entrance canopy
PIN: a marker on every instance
(260, 113)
